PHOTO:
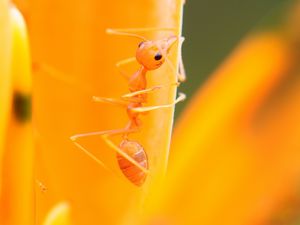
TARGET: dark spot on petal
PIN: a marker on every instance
(158, 56)
(22, 107)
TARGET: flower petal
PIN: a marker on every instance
(18, 196)
(5, 75)
(68, 37)
(59, 215)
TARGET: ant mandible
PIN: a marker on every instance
(150, 54)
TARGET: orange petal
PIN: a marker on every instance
(69, 37)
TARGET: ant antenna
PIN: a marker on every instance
(117, 32)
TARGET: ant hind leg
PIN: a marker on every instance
(123, 154)
(92, 156)
(87, 152)
(101, 133)
(105, 135)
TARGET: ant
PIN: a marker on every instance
(151, 55)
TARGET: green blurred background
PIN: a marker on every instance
(212, 29)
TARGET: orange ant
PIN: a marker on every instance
(150, 54)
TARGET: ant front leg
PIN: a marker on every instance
(181, 75)
(180, 98)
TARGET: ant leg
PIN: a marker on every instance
(124, 33)
(100, 133)
(105, 135)
(181, 76)
(124, 62)
(180, 98)
(139, 29)
(89, 154)
(122, 153)
(93, 157)
(148, 90)
(111, 101)
(128, 31)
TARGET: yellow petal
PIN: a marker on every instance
(59, 215)
(17, 199)
(5, 84)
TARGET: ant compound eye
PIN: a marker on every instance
(140, 44)
(158, 56)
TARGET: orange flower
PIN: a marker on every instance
(235, 150)
(76, 61)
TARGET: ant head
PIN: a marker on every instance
(152, 54)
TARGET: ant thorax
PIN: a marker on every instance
(138, 80)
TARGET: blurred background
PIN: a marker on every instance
(213, 28)
(261, 144)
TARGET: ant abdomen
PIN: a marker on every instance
(137, 153)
